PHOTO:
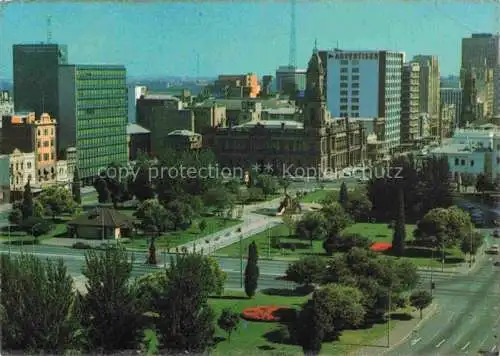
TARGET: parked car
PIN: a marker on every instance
(496, 233)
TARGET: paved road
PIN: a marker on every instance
(74, 260)
(468, 317)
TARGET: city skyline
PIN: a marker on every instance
(135, 35)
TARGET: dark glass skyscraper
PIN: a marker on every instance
(93, 108)
(36, 77)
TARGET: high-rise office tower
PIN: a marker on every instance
(453, 96)
(481, 55)
(36, 79)
(93, 105)
(366, 84)
(289, 80)
(430, 83)
(481, 49)
(410, 102)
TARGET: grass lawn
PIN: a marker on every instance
(316, 196)
(18, 237)
(173, 239)
(256, 338)
(89, 198)
(377, 232)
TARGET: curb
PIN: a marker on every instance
(432, 309)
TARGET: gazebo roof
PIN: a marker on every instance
(102, 216)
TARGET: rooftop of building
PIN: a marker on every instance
(459, 148)
(182, 133)
(235, 104)
(159, 96)
(134, 129)
(283, 111)
(272, 124)
(290, 69)
(94, 66)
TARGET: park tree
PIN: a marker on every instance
(186, 321)
(431, 230)
(252, 270)
(399, 234)
(344, 243)
(140, 182)
(267, 183)
(218, 198)
(284, 183)
(336, 218)
(38, 208)
(312, 226)
(310, 327)
(290, 221)
(343, 305)
(113, 318)
(484, 183)
(420, 299)
(154, 214)
(228, 321)
(101, 187)
(358, 205)
(180, 214)
(57, 200)
(202, 225)
(76, 186)
(343, 195)
(27, 204)
(306, 271)
(471, 242)
(37, 303)
(15, 216)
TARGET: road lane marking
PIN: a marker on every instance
(414, 342)
(440, 343)
(465, 346)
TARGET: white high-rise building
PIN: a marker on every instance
(366, 84)
(134, 93)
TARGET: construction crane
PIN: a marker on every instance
(293, 36)
(49, 29)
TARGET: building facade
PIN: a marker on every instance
(430, 83)
(4, 178)
(319, 143)
(366, 84)
(184, 140)
(453, 96)
(36, 87)
(93, 105)
(139, 141)
(410, 102)
(134, 94)
(237, 86)
(481, 49)
(22, 171)
(289, 80)
(161, 114)
(29, 134)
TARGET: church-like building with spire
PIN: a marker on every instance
(317, 143)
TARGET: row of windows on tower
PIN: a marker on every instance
(45, 132)
(346, 70)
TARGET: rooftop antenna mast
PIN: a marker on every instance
(49, 29)
(293, 36)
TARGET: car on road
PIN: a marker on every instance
(493, 250)
(496, 233)
(497, 263)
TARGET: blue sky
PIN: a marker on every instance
(154, 39)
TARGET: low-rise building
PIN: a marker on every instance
(237, 86)
(22, 171)
(139, 141)
(63, 178)
(209, 114)
(183, 140)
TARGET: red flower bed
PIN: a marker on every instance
(381, 246)
(267, 313)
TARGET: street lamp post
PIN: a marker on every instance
(10, 241)
(389, 307)
(442, 255)
(268, 241)
(241, 261)
(35, 242)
